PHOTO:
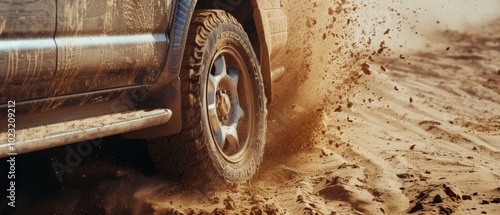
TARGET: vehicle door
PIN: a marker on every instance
(108, 44)
(27, 49)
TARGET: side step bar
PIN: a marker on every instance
(53, 135)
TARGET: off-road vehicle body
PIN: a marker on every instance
(192, 77)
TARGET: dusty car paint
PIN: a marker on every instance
(27, 49)
(95, 46)
(108, 44)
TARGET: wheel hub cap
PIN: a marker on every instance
(228, 105)
(223, 104)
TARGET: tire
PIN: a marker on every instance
(223, 106)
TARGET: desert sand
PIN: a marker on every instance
(380, 112)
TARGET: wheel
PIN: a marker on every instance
(223, 106)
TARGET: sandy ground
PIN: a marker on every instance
(375, 116)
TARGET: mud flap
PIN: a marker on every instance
(169, 97)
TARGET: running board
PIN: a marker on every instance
(53, 135)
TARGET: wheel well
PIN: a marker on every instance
(240, 10)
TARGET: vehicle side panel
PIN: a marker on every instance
(27, 49)
(109, 44)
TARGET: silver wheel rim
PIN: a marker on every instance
(229, 104)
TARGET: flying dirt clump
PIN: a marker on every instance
(366, 69)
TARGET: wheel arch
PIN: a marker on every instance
(265, 25)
